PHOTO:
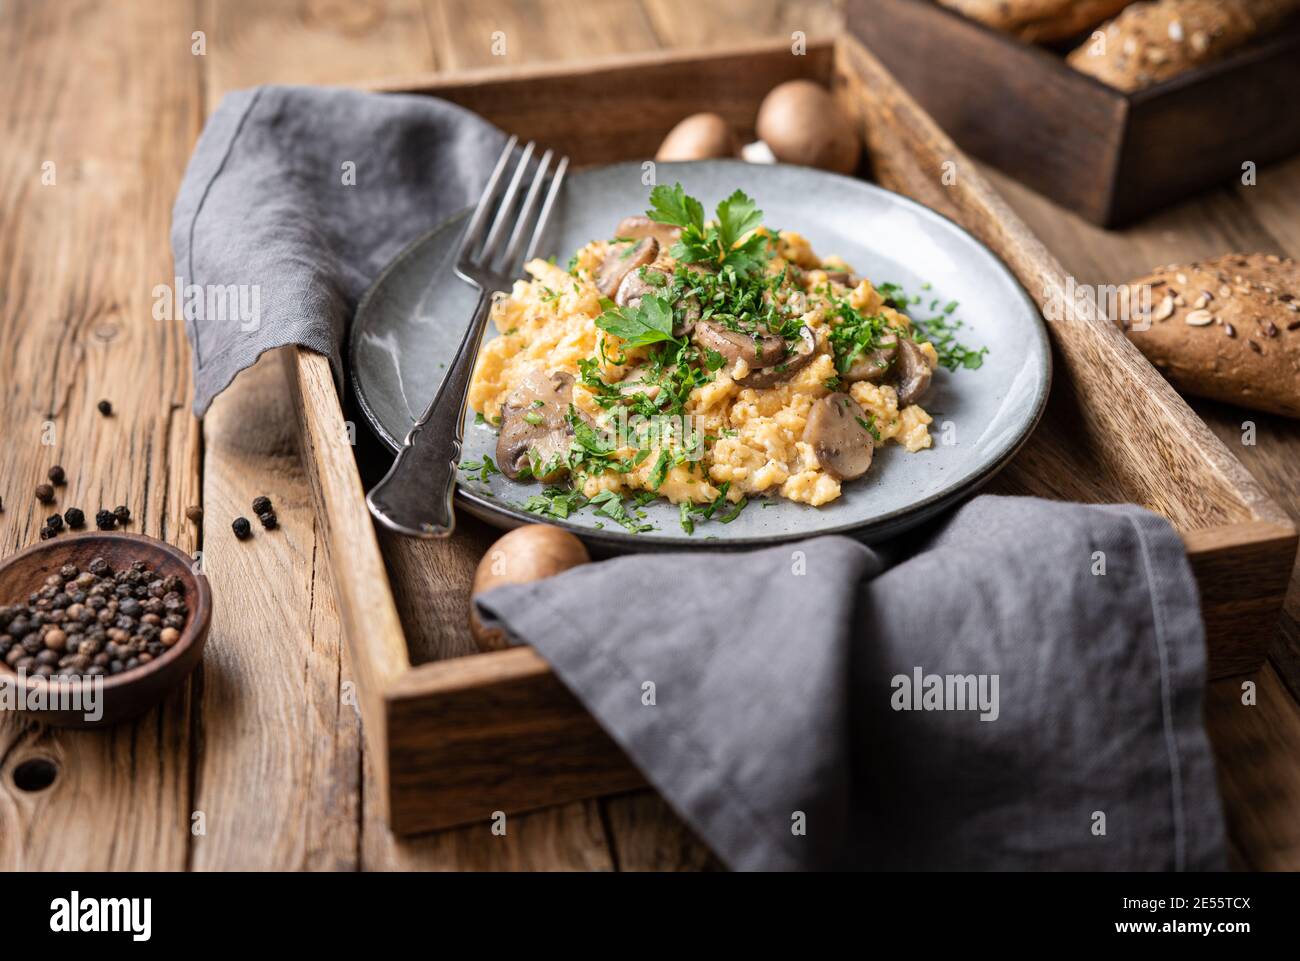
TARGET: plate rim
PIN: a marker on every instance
(491, 510)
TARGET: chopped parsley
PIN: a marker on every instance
(610, 504)
(485, 468)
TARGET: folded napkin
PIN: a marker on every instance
(993, 701)
(294, 201)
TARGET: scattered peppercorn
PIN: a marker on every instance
(54, 522)
(56, 475)
(44, 493)
(46, 533)
(195, 514)
(261, 505)
(269, 520)
(241, 527)
(105, 408)
(105, 520)
(122, 514)
(94, 622)
(74, 517)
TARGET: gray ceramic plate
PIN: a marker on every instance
(410, 322)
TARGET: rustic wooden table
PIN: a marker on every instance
(258, 763)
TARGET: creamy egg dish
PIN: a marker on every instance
(707, 362)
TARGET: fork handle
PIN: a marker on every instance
(415, 497)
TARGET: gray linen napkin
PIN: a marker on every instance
(294, 200)
(777, 727)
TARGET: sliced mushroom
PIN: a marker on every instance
(756, 350)
(837, 431)
(635, 286)
(639, 226)
(621, 260)
(685, 325)
(874, 365)
(796, 360)
(534, 430)
(912, 372)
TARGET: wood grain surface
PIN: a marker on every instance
(265, 741)
(96, 123)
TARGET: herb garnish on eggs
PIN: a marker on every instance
(734, 335)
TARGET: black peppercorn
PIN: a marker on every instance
(105, 408)
(261, 505)
(122, 514)
(46, 533)
(44, 493)
(105, 520)
(195, 514)
(268, 520)
(74, 517)
(98, 566)
(241, 527)
(56, 475)
(54, 522)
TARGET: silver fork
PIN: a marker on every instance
(415, 497)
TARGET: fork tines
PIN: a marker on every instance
(492, 250)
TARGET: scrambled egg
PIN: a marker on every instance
(757, 447)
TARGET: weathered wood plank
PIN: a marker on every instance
(281, 747)
(96, 119)
(647, 835)
(314, 41)
(500, 33)
(1255, 746)
(689, 23)
(566, 838)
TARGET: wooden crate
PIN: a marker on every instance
(456, 735)
(1110, 155)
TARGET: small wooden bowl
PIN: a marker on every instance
(132, 692)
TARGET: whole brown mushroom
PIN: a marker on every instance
(701, 136)
(802, 124)
(525, 554)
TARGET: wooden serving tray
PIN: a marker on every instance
(1109, 155)
(456, 735)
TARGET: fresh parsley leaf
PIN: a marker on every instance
(650, 322)
(718, 244)
(672, 205)
(737, 216)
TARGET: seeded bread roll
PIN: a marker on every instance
(1227, 329)
(1153, 41)
(1038, 21)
